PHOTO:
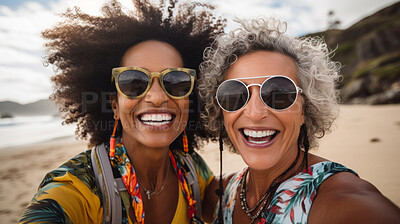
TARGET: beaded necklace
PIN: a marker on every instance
(123, 164)
(268, 195)
(265, 199)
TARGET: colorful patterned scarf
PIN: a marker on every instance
(123, 164)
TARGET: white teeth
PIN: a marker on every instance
(258, 142)
(159, 118)
(156, 123)
(258, 134)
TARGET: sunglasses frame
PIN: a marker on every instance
(298, 89)
(116, 72)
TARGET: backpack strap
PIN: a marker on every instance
(110, 186)
(193, 181)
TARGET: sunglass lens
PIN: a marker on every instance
(278, 92)
(133, 83)
(232, 95)
(177, 83)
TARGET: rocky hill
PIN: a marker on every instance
(38, 108)
(369, 52)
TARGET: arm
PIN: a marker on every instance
(64, 202)
(345, 198)
(211, 198)
(66, 195)
(46, 210)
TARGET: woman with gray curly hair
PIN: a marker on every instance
(276, 96)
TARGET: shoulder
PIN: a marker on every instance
(229, 177)
(76, 172)
(197, 159)
(204, 173)
(80, 166)
(346, 198)
(76, 165)
(211, 198)
(65, 192)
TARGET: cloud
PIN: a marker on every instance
(302, 16)
(298, 14)
(23, 77)
(24, 83)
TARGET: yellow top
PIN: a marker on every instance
(69, 194)
(181, 212)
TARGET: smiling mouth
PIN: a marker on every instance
(156, 119)
(259, 136)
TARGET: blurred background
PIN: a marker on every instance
(365, 34)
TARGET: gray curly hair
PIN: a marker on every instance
(317, 73)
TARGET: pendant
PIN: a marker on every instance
(148, 193)
(262, 221)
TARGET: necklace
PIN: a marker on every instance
(128, 174)
(267, 197)
(263, 201)
(149, 193)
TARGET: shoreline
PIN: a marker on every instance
(364, 138)
(50, 141)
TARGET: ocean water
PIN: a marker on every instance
(25, 130)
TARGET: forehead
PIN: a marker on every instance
(152, 55)
(262, 63)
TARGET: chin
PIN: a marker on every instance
(157, 144)
(157, 141)
(257, 162)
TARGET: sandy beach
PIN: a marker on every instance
(365, 139)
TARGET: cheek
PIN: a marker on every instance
(302, 119)
(126, 106)
(295, 114)
(299, 109)
(226, 118)
(291, 122)
(229, 122)
(184, 107)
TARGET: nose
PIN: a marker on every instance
(255, 109)
(156, 94)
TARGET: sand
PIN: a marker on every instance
(365, 139)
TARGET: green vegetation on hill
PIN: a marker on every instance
(369, 52)
(385, 68)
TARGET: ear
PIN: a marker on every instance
(114, 105)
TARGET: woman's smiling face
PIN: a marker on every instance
(264, 137)
(141, 118)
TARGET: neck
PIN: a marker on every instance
(150, 164)
(258, 181)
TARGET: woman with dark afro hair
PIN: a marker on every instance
(128, 81)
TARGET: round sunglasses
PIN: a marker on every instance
(135, 82)
(277, 92)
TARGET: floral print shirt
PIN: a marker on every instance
(70, 194)
(293, 198)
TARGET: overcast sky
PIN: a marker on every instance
(24, 79)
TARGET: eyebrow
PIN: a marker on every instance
(255, 77)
